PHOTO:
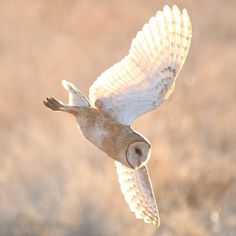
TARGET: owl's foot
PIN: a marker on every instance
(56, 105)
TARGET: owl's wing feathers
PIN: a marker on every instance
(143, 79)
(137, 190)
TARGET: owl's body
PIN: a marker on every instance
(106, 133)
(137, 84)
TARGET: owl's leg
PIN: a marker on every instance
(56, 105)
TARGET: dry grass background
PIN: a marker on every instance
(53, 181)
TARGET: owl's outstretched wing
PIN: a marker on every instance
(137, 189)
(143, 79)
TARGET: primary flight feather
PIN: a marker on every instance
(142, 80)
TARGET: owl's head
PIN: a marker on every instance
(137, 153)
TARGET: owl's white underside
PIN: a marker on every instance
(145, 78)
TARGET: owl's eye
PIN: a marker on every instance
(138, 151)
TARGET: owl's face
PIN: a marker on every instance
(137, 153)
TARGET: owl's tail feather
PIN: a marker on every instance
(76, 98)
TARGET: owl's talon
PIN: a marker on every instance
(56, 105)
(53, 104)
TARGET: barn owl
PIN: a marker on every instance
(137, 84)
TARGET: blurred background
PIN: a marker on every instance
(53, 181)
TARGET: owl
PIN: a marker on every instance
(137, 84)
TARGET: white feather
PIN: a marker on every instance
(137, 189)
(76, 98)
(145, 78)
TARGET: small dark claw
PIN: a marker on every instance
(45, 103)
